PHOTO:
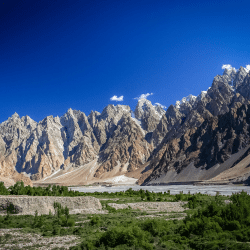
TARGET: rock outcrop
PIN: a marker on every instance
(126, 148)
(44, 204)
(202, 152)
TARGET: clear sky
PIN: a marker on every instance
(62, 54)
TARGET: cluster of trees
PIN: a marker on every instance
(20, 189)
(215, 226)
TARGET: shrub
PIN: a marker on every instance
(3, 189)
(130, 236)
(95, 220)
(9, 207)
(71, 222)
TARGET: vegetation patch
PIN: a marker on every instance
(207, 222)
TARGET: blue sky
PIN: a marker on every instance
(77, 54)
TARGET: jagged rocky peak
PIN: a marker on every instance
(82, 120)
(229, 71)
(126, 150)
(201, 151)
(244, 88)
(202, 95)
(73, 114)
(15, 118)
(159, 109)
(68, 119)
(230, 74)
(114, 112)
(93, 118)
(16, 129)
(47, 123)
(27, 120)
(221, 83)
(186, 103)
(190, 99)
(78, 114)
(15, 115)
(173, 112)
(143, 106)
(147, 115)
(240, 76)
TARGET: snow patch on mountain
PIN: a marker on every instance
(158, 104)
(188, 99)
(122, 179)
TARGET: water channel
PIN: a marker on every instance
(174, 189)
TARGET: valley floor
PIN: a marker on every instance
(136, 220)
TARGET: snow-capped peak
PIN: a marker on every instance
(177, 104)
(201, 95)
(160, 105)
(188, 99)
(228, 68)
(159, 108)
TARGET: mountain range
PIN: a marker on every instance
(202, 138)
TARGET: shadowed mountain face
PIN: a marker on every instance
(204, 149)
(193, 140)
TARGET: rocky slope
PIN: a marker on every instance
(193, 149)
(193, 140)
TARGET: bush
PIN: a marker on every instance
(95, 220)
(130, 236)
(9, 207)
(3, 189)
(71, 222)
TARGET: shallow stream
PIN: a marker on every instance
(174, 189)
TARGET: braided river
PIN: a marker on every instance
(174, 189)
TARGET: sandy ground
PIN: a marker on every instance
(84, 175)
(80, 176)
(239, 170)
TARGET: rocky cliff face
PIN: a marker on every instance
(148, 115)
(187, 138)
(126, 148)
(197, 142)
(205, 147)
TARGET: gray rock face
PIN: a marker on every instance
(211, 144)
(147, 114)
(159, 110)
(239, 77)
(14, 130)
(126, 147)
(106, 122)
(220, 99)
